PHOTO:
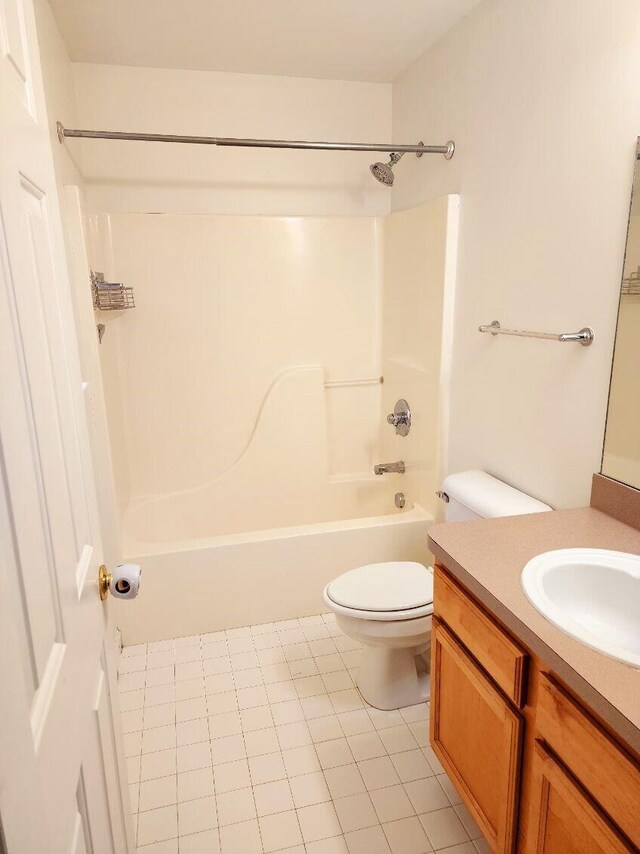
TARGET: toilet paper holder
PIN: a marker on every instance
(126, 584)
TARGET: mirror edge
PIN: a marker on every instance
(634, 175)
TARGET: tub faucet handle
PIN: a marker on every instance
(400, 418)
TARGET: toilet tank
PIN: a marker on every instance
(478, 495)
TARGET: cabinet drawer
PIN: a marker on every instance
(593, 757)
(501, 657)
(477, 735)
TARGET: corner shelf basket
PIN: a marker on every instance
(631, 284)
(110, 296)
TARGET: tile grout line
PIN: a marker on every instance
(289, 664)
(252, 787)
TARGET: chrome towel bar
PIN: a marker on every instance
(584, 336)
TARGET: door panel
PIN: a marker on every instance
(36, 438)
(58, 791)
(15, 53)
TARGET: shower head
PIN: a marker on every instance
(383, 172)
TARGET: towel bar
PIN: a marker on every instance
(584, 336)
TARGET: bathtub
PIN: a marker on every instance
(203, 585)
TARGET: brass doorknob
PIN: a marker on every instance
(104, 580)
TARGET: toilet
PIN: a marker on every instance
(387, 607)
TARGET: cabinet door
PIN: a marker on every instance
(477, 736)
(563, 817)
(607, 772)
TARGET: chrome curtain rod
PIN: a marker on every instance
(419, 149)
(584, 336)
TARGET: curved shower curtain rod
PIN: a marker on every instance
(419, 149)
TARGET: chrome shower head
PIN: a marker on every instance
(383, 172)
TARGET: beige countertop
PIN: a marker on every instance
(488, 555)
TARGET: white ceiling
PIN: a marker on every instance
(371, 40)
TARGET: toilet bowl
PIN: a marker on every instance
(387, 607)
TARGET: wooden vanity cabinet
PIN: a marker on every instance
(539, 774)
(478, 737)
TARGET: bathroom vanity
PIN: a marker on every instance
(539, 733)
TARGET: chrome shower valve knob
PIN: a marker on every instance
(400, 418)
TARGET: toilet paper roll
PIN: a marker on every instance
(125, 582)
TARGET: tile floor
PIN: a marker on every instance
(256, 740)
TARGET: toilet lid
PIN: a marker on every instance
(392, 586)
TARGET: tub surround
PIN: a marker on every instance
(301, 417)
(487, 558)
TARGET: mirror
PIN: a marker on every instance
(621, 453)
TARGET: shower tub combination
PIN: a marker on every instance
(244, 486)
(259, 541)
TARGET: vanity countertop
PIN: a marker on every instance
(488, 555)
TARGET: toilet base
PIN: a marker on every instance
(394, 663)
(391, 678)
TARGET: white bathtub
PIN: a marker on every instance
(202, 585)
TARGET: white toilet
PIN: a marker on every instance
(388, 606)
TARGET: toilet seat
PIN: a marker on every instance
(395, 590)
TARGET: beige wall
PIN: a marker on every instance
(543, 101)
(59, 80)
(134, 176)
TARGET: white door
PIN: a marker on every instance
(59, 788)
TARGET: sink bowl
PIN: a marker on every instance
(592, 595)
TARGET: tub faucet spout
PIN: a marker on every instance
(385, 468)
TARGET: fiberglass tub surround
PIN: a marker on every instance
(247, 406)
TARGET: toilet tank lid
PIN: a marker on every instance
(489, 497)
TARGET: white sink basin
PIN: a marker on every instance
(592, 595)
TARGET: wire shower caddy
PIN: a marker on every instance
(110, 296)
(631, 284)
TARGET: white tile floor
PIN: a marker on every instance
(256, 740)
